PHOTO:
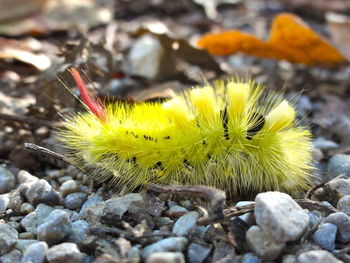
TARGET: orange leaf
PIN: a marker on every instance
(290, 39)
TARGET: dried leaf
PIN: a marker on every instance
(290, 39)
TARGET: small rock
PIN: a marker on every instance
(93, 212)
(339, 164)
(7, 180)
(185, 224)
(342, 221)
(313, 218)
(65, 252)
(116, 207)
(164, 220)
(197, 253)
(317, 256)
(26, 235)
(325, 236)
(177, 208)
(80, 231)
(250, 258)
(64, 179)
(75, 200)
(69, 187)
(31, 221)
(166, 257)
(247, 217)
(264, 243)
(289, 259)
(339, 187)
(324, 144)
(25, 177)
(22, 244)
(4, 201)
(175, 244)
(278, 214)
(55, 227)
(134, 254)
(8, 238)
(316, 155)
(35, 253)
(26, 208)
(15, 200)
(40, 192)
(12, 257)
(344, 204)
(224, 252)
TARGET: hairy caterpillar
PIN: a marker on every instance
(232, 136)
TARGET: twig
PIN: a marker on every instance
(313, 189)
(313, 205)
(46, 152)
(31, 121)
(215, 196)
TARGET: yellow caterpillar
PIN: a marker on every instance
(231, 136)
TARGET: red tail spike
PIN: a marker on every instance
(90, 101)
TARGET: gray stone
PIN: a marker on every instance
(174, 244)
(12, 257)
(344, 204)
(93, 200)
(8, 238)
(31, 221)
(80, 231)
(325, 235)
(26, 235)
(22, 244)
(250, 258)
(249, 218)
(7, 180)
(64, 179)
(166, 257)
(317, 256)
(69, 187)
(15, 200)
(116, 207)
(134, 254)
(278, 214)
(35, 253)
(55, 227)
(339, 164)
(75, 200)
(177, 208)
(224, 252)
(64, 253)
(26, 208)
(264, 243)
(197, 253)
(324, 144)
(342, 221)
(163, 221)
(339, 187)
(289, 259)
(40, 192)
(185, 224)
(25, 177)
(4, 201)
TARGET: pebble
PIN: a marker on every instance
(26, 235)
(8, 238)
(174, 244)
(15, 200)
(177, 208)
(324, 144)
(55, 227)
(92, 209)
(197, 253)
(64, 179)
(40, 192)
(317, 256)
(69, 187)
(80, 231)
(166, 257)
(339, 187)
(224, 252)
(342, 221)
(185, 223)
(116, 207)
(12, 257)
(247, 217)
(22, 244)
(344, 204)
(25, 177)
(325, 235)
(278, 214)
(289, 259)
(64, 253)
(26, 208)
(35, 253)
(4, 201)
(146, 56)
(250, 258)
(7, 180)
(339, 164)
(263, 243)
(31, 221)
(75, 200)
(164, 220)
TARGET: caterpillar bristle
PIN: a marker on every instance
(228, 136)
